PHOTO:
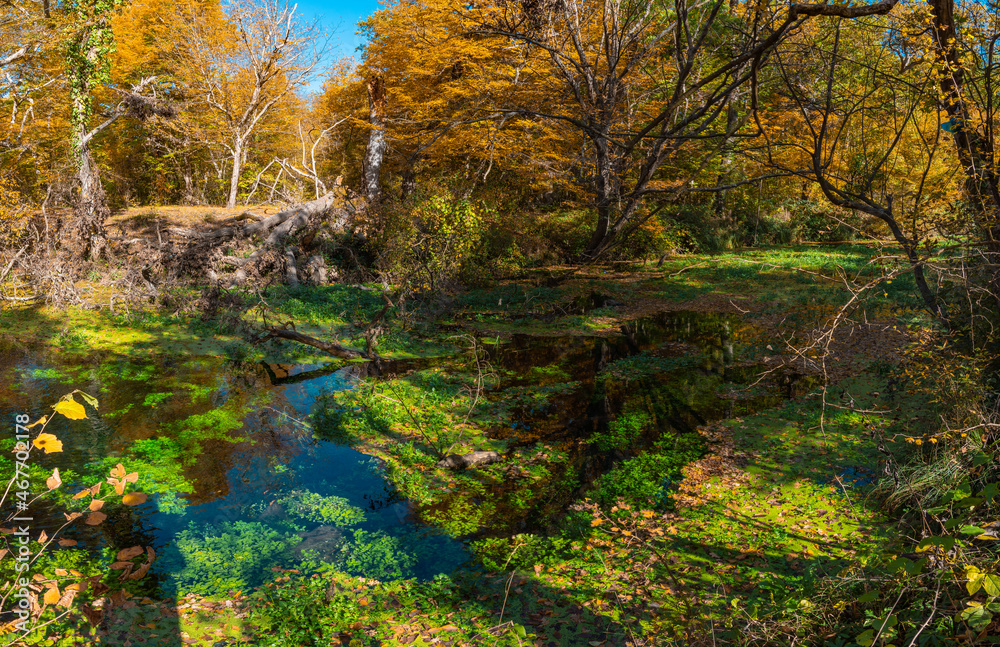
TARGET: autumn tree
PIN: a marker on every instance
(647, 84)
(241, 65)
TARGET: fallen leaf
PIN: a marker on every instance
(129, 553)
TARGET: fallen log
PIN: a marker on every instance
(327, 347)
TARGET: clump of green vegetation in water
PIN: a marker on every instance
(231, 556)
(154, 399)
(647, 479)
(378, 555)
(624, 431)
(330, 510)
(48, 373)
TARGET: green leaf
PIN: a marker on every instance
(991, 583)
(887, 623)
(870, 596)
(89, 399)
(866, 638)
(953, 523)
(946, 543)
(519, 630)
(977, 616)
(972, 530)
(909, 566)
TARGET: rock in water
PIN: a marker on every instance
(473, 459)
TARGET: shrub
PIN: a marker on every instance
(818, 222)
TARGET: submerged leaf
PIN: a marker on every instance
(129, 553)
(94, 518)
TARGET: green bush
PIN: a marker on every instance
(821, 223)
(521, 552)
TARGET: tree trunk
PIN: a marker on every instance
(975, 151)
(606, 198)
(234, 180)
(721, 198)
(375, 151)
(89, 238)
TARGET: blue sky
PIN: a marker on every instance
(340, 19)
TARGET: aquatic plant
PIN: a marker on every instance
(379, 555)
(329, 510)
(647, 479)
(230, 556)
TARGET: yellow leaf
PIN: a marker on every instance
(51, 596)
(96, 505)
(40, 421)
(596, 522)
(134, 498)
(118, 471)
(48, 443)
(118, 485)
(71, 409)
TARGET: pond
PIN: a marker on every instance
(239, 485)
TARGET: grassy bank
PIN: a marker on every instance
(656, 525)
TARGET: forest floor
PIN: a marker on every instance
(766, 514)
